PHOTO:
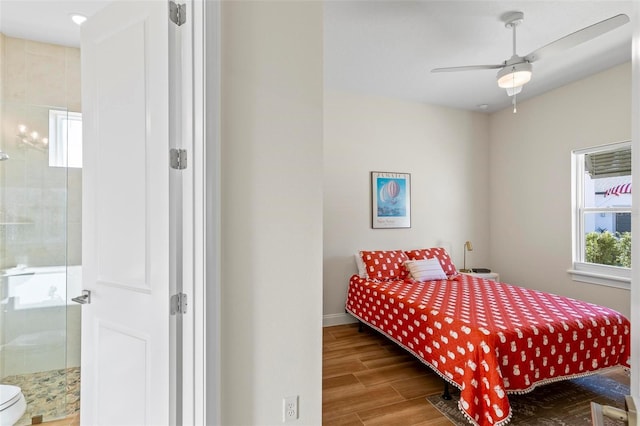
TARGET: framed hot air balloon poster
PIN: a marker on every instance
(390, 200)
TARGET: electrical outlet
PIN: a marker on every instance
(289, 408)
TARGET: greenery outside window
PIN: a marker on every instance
(601, 192)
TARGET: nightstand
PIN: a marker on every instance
(487, 275)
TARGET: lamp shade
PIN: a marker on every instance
(513, 90)
(515, 75)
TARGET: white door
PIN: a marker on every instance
(126, 361)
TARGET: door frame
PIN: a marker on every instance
(203, 348)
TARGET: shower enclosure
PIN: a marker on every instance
(40, 224)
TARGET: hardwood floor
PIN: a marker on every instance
(73, 420)
(367, 380)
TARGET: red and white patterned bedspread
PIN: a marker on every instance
(490, 339)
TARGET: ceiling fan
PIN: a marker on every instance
(516, 71)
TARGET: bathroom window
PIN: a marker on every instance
(65, 138)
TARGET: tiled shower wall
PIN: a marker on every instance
(40, 206)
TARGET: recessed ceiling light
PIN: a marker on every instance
(78, 18)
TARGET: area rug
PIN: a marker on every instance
(562, 403)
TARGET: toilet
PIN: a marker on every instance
(12, 405)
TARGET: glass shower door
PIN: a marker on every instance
(40, 238)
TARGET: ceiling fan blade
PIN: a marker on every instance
(468, 68)
(578, 37)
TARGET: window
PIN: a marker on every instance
(65, 138)
(602, 215)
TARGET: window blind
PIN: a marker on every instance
(609, 163)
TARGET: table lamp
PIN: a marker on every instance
(467, 247)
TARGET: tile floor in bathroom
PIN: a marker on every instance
(53, 394)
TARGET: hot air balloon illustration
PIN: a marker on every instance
(389, 192)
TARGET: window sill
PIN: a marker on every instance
(600, 279)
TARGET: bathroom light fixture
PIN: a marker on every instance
(78, 18)
(467, 247)
(31, 138)
(3, 155)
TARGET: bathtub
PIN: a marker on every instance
(40, 324)
(39, 287)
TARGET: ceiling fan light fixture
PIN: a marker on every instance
(513, 90)
(514, 76)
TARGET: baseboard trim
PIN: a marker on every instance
(337, 319)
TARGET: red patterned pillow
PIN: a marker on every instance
(439, 253)
(385, 265)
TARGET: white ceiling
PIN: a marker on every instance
(45, 20)
(388, 48)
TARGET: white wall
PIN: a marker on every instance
(446, 152)
(271, 281)
(635, 230)
(530, 163)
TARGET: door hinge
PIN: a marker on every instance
(179, 304)
(178, 158)
(177, 13)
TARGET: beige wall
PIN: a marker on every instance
(41, 74)
(530, 163)
(2, 62)
(271, 143)
(446, 152)
(501, 180)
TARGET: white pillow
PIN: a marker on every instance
(362, 270)
(425, 270)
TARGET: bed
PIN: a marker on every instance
(488, 339)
